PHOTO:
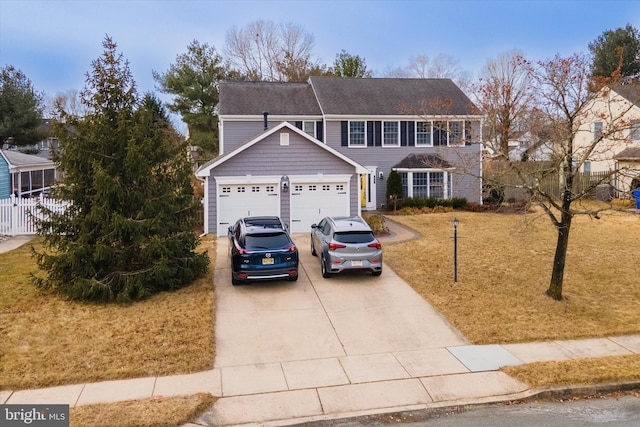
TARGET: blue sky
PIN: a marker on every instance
(54, 41)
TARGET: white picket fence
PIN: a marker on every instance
(16, 214)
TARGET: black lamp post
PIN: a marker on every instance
(455, 249)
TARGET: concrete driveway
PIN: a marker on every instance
(317, 318)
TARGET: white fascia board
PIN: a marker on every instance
(402, 117)
(423, 169)
(247, 179)
(304, 179)
(206, 171)
(270, 117)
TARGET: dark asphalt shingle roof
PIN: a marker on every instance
(390, 96)
(254, 98)
(631, 92)
(346, 96)
(629, 153)
(422, 161)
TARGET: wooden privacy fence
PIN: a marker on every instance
(549, 182)
(17, 214)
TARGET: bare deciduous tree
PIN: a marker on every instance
(504, 95)
(441, 67)
(567, 104)
(264, 50)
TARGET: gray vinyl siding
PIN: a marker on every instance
(237, 133)
(269, 158)
(466, 178)
(5, 179)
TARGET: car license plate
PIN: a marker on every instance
(356, 263)
(267, 261)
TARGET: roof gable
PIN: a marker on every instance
(205, 170)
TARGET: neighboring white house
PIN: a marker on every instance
(609, 136)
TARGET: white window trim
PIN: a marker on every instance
(365, 134)
(397, 143)
(415, 133)
(304, 122)
(445, 182)
(595, 132)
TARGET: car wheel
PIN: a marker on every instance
(293, 278)
(376, 273)
(313, 249)
(325, 271)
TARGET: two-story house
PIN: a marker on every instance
(609, 135)
(303, 151)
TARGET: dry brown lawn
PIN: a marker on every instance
(166, 412)
(46, 340)
(504, 270)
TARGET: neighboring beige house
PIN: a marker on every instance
(609, 136)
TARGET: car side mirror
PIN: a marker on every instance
(314, 225)
(230, 229)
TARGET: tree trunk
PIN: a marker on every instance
(557, 275)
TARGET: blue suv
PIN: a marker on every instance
(261, 249)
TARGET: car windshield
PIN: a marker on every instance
(353, 237)
(266, 241)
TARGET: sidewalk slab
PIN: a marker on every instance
(595, 347)
(430, 362)
(252, 379)
(178, 385)
(14, 242)
(4, 396)
(474, 385)
(484, 357)
(62, 395)
(630, 342)
(258, 408)
(539, 351)
(373, 367)
(314, 373)
(384, 394)
(115, 391)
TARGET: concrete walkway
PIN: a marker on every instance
(293, 352)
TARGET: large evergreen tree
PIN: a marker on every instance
(616, 49)
(193, 80)
(128, 231)
(20, 108)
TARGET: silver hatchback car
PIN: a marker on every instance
(346, 243)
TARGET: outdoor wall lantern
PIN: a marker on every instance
(381, 175)
(285, 184)
(455, 249)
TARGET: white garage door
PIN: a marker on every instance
(310, 202)
(241, 200)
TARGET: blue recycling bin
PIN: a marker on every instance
(636, 194)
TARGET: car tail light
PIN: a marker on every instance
(334, 246)
(293, 272)
(291, 248)
(375, 244)
(242, 275)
